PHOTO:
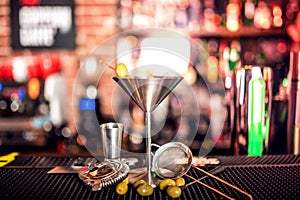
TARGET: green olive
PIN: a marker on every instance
(166, 182)
(145, 190)
(126, 180)
(179, 181)
(121, 70)
(138, 183)
(174, 191)
(122, 188)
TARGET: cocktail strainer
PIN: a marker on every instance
(174, 159)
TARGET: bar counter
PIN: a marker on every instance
(265, 177)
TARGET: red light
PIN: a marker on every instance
(10, 93)
(281, 47)
(29, 2)
(48, 65)
(6, 72)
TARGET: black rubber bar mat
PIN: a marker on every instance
(262, 181)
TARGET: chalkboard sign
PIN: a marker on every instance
(39, 24)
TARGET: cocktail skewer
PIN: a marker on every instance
(213, 171)
(107, 65)
(120, 69)
(225, 182)
(205, 185)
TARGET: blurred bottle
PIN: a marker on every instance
(253, 106)
(233, 20)
(268, 78)
(181, 16)
(242, 78)
(256, 110)
(277, 16)
(277, 139)
(249, 11)
(262, 16)
(209, 16)
(293, 91)
(234, 58)
(195, 13)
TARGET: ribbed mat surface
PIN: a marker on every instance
(266, 177)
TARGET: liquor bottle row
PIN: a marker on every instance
(206, 15)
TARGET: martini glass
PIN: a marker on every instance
(148, 93)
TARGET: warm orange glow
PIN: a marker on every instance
(262, 17)
(132, 40)
(34, 88)
(277, 11)
(233, 25)
(183, 4)
(212, 68)
(233, 8)
(233, 17)
(277, 21)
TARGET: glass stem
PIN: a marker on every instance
(148, 145)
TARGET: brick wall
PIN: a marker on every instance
(95, 21)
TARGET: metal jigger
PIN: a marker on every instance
(112, 137)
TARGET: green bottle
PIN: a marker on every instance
(256, 110)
